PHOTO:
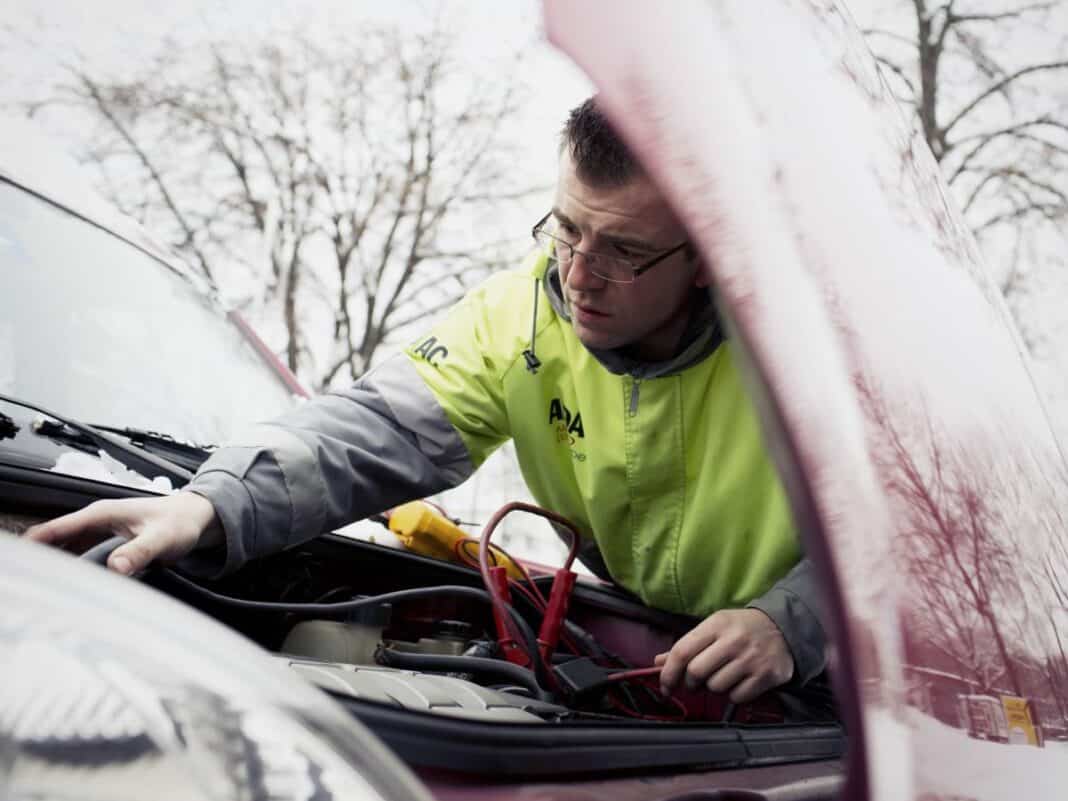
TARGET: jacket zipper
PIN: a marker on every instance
(634, 397)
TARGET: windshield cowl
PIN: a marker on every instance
(42, 440)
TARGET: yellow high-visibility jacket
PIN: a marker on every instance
(662, 468)
(661, 465)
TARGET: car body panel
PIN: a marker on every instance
(798, 782)
(112, 690)
(921, 464)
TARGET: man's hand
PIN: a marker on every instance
(735, 651)
(157, 528)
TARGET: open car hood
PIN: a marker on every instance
(921, 466)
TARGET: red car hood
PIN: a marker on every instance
(922, 468)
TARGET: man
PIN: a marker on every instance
(605, 363)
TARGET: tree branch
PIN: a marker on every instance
(108, 113)
(997, 87)
(1003, 15)
(987, 138)
(899, 72)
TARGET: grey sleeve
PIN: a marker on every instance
(795, 604)
(338, 458)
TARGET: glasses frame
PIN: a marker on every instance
(637, 270)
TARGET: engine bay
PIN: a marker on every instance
(394, 627)
(415, 647)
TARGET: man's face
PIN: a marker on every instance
(632, 221)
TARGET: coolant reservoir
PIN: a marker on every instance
(352, 642)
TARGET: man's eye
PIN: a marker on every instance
(627, 252)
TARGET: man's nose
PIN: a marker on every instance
(580, 276)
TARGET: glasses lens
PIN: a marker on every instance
(551, 245)
(609, 268)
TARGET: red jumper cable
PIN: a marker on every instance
(496, 582)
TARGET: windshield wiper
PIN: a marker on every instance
(133, 457)
(8, 429)
(183, 454)
(186, 454)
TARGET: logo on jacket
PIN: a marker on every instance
(430, 350)
(568, 426)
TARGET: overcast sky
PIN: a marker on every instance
(120, 33)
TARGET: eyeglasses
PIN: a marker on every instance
(616, 269)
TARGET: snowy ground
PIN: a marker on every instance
(949, 763)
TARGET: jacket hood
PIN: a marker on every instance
(702, 336)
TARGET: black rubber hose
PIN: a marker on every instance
(477, 665)
(455, 664)
(370, 600)
(99, 553)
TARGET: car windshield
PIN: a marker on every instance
(98, 330)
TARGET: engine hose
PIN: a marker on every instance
(99, 553)
(479, 666)
(340, 607)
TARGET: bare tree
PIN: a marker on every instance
(955, 543)
(355, 184)
(985, 79)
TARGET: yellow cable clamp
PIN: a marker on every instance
(426, 531)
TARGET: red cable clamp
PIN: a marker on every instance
(513, 651)
(553, 620)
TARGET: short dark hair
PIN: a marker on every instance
(600, 156)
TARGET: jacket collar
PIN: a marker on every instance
(702, 336)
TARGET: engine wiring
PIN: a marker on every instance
(646, 673)
(537, 668)
(359, 603)
(637, 673)
(556, 607)
(462, 549)
(554, 616)
(492, 560)
(529, 589)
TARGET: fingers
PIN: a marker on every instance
(163, 528)
(167, 527)
(718, 668)
(686, 649)
(96, 518)
(750, 688)
(739, 651)
(137, 554)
